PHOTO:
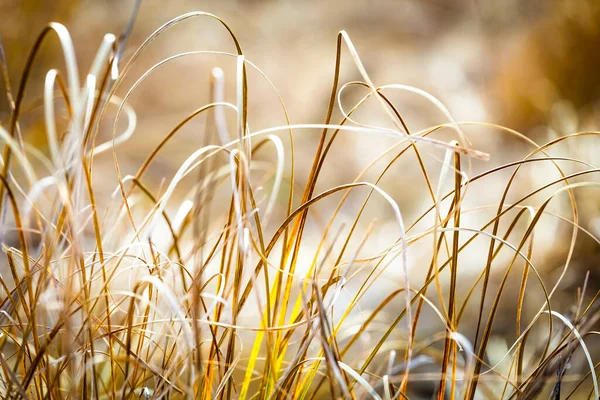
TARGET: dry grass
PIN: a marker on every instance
(217, 284)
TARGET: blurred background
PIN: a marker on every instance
(531, 66)
(512, 62)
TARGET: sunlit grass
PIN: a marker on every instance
(201, 288)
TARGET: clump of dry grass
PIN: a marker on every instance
(201, 288)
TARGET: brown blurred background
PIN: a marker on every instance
(508, 62)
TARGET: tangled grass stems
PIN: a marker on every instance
(108, 296)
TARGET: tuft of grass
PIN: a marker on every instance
(234, 279)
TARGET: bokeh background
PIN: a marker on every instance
(508, 61)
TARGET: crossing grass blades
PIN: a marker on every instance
(145, 292)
